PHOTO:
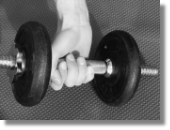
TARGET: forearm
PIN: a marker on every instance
(72, 13)
(70, 6)
(74, 28)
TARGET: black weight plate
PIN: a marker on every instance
(122, 50)
(33, 40)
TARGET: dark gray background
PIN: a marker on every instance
(141, 18)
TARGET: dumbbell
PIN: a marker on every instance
(117, 66)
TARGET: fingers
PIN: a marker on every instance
(82, 66)
(89, 75)
(72, 71)
(78, 72)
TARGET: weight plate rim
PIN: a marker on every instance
(124, 98)
(36, 30)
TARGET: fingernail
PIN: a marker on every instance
(81, 61)
(71, 57)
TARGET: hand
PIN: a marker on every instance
(74, 34)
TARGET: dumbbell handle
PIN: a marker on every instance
(100, 67)
(10, 61)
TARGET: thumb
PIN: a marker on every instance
(56, 83)
(55, 75)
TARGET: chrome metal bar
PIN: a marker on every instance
(8, 62)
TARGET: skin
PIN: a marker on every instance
(74, 34)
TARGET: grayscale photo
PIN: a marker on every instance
(80, 59)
